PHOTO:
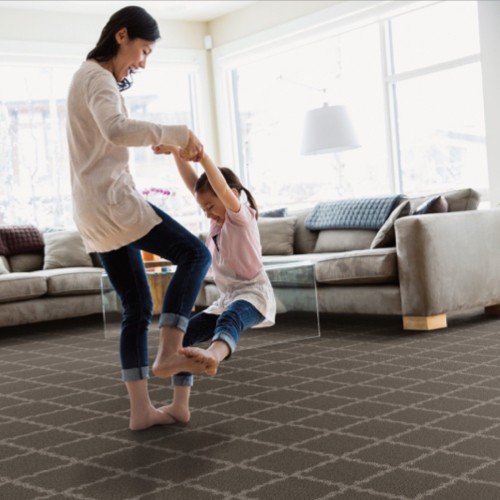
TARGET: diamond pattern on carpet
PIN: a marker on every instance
(366, 411)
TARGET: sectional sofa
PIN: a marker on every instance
(423, 259)
(431, 256)
(46, 276)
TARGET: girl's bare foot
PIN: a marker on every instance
(181, 415)
(176, 362)
(204, 357)
(152, 416)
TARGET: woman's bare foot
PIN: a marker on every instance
(149, 418)
(181, 415)
(204, 357)
(176, 362)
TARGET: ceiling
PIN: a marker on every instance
(187, 10)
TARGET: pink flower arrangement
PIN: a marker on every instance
(152, 191)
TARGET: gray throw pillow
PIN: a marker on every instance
(434, 205)
(65, 249)
(386, 235)
(277, 234)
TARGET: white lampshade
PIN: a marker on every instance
(328, 130)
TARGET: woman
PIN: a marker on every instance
(113, 217)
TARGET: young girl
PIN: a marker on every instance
(246, 296)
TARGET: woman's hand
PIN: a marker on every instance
(193, 150)
(166, 149)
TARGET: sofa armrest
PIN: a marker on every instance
(448, 262)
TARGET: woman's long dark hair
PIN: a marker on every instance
(203, 184)
(139, 24)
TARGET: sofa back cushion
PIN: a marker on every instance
(277, 235)
(343, 240)
(458, 200)
(26, 263)
(65, 249)
(304, 239)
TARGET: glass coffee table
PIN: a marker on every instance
(295, 291)
(297, 309)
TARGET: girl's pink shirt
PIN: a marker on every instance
(238, 242)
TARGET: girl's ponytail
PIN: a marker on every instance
(251, 201)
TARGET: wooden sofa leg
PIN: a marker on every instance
(425, 322)
(493, 310)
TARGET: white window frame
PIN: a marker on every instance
(23, 53)
(326, 23)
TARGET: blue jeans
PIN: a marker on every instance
(239, 316)
(125, 269)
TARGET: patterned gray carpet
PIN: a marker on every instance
(367, 411)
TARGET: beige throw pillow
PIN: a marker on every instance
(386, 236)
(276, 235)
(65, 249)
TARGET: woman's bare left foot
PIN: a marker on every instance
(203, 357)
(151, 417)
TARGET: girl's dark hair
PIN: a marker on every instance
(139, 24)
(203, 184)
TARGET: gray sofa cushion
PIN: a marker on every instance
(343, 240)
(72, 281)
(356, 213)
(21, 286)
(358, 267)
(277, 235)
(26, 262)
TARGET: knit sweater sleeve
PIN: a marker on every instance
(105, 103)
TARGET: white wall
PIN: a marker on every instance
(43, 26)
(489, 34)
(262, 15)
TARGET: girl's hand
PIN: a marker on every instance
(166, 149)
(194, 149)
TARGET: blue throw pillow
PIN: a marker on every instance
(276, 212)
(358, 213)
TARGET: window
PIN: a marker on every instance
(34, 160)
(412, 84)
(435, 80)
(34, 163)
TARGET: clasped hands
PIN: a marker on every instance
(193, 151)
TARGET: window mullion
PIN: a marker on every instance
(390, 107)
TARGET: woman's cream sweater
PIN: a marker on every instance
(108, 210)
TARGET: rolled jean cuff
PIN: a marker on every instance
(183, 379)
(171, 319)
(133, 374)
(228, 339)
